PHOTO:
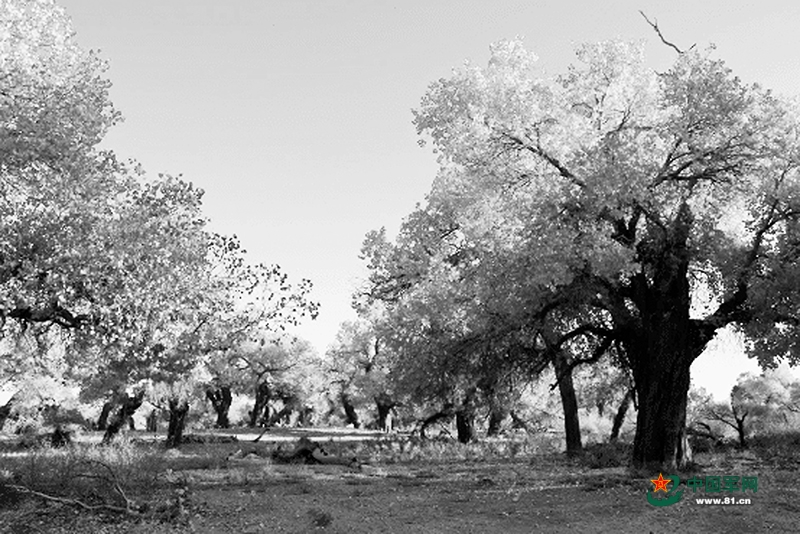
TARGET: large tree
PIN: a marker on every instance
(630, 198)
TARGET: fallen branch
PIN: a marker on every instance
(75, 502)
(310, 452)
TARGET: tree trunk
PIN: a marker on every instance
(129, 406)
(284, 415)
(619, 418)
(260, 410)
(102, 421)
(306, 416)
(465, 424)
(152, 421)
(445, 414)
(350, 414)
(384, 404)
(661, 346)
(177, 421)
(221, 400)
(741, 431)
(496, 417)
(5, 411)
(569, 403)
(661, 419)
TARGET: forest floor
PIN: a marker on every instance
(399, 485)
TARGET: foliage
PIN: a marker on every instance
(779, 448)
(758, 405)
(116, 270)
(359, 363)
(590, 212)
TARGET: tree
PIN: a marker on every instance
(464, 330)
(626, 195)
(755, 403)
(121, 268)
(57, 191)
(359, 366)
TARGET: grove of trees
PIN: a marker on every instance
(612, 216)
(611, 211)
(112, 274)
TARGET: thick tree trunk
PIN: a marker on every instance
(260, 410)
(178, 409)
(619, 417)
(662, 345)
(497, 415)
(465, 424)
(102, 421)
(350, 414)
(128, 407)
(661, 420)
(5, 411)
(569, 403)
(221, 400)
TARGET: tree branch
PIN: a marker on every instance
(654, 24)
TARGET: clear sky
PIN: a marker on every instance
(295, 116)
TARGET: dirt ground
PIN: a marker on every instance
(541, 493)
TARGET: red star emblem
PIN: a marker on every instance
(661, 483)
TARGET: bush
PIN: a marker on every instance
(782, 448)
(605, 455)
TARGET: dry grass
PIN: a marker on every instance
(402, 485)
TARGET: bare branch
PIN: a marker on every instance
(654, 24)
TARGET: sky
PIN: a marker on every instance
(295, 116)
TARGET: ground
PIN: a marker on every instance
(405, 486)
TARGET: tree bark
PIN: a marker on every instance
(569, 403)
(221, 400)
(260, 410)
(661, 420)
(619, 417)
(350, 413)
(130, 403)
(178, 409)
(661, 344)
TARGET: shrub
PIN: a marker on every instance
(782, 448)
(605, 455)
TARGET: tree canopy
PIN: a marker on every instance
(118, 269)
(612, 209)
